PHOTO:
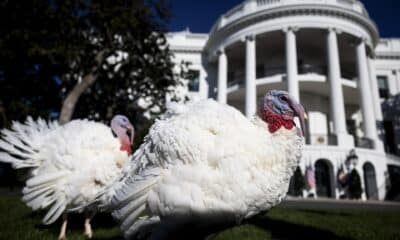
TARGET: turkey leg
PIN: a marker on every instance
(63, 228)
(88, 228)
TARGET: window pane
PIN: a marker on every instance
(382, 82)
(194, 80)
(383, 86)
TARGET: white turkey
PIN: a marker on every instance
(208, 166)
(70, 164)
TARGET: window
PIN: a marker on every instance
(383, 87)
(352, 127)
(194, 80)
(390, 138)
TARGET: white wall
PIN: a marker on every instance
(188, 47)
(387, 62)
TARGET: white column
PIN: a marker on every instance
(222, 76)
(376, 104)
(336, 91)
(251, 94)
(397, 80)
(291, 63)
(375, 90)
(365, 93)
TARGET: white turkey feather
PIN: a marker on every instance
(69, 164)
(207, 159)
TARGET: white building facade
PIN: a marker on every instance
(325, 53)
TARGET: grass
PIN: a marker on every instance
(19, 222)
(285, 223)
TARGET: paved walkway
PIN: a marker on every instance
(338, 204)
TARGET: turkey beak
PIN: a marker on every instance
(299, 112)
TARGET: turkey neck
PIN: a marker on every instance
(123, 138)
(291, 142)
(287, 141)
(284, 132)
(276, 121)
(284, 148)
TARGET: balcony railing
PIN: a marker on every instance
(302, 69)
(251, 6)
(239, 76)
(310, 68)
(321, 139)
(364, 143)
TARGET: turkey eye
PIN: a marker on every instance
(283, 98)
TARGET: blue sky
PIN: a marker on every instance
(200, 15)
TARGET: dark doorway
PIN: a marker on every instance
(390, 145)
(296, 184)
(393, 190)
(371, 188)
(323, 179)
(351, 127)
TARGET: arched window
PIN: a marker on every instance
(371, 188)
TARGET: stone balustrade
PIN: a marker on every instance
(252, 6)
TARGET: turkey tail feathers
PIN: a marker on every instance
(40, 193)
(55, 211)
(20, 146)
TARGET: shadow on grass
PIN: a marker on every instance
(324, 213)
(289, 231)
(279, 229)
(107, 238)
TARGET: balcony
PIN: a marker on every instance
(253, 6)
(364, 143)
(238, 77)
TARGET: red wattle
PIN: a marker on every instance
(126, 146)
(276, 121)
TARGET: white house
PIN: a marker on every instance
(327, 54)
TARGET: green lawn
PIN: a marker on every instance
(18, 222)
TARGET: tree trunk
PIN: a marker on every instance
(70, 101)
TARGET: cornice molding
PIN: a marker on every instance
(293, 10)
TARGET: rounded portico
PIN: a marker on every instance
(319, 50)
(323, 53)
